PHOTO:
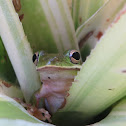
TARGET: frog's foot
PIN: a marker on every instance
(41, 113)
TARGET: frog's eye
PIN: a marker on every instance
(74, 56)
(35, 58)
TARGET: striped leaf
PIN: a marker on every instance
(70, 4)
(18, 49)
(82, 10)
(92, 30)
(10, 90)
(102, 79)
(117, 117)
(13, 114)
(6, 70)
(48, 25)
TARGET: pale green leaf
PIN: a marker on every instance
(10, 90)
(102, 79)
(18, 49)
(6, 70)
(117, 117)
(13, 114)
(69, 2)
(48, 25)
(82, 10)
(89, 33)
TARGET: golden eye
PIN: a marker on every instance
(74, 56)
(35, 58)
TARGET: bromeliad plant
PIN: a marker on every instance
(48, 26)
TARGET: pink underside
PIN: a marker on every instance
(56, 84)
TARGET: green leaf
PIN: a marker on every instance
(13, 114)
(117, 117)
(6, 70)
(69, 2)
(101, 81)
(90, 32)
(82, 10)
(10, 90)
(48, 25)
(18, 49)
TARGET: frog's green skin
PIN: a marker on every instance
(57, 73)
(61, 60)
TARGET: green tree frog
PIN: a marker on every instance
(57, 73)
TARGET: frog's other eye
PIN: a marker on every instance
(74, 56)
(35, 58)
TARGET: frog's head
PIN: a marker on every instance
(68, 58)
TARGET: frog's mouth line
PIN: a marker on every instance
(56, 84)
(53, 67)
